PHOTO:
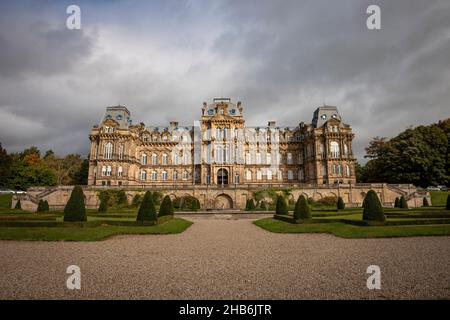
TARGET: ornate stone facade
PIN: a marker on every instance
(220, 150)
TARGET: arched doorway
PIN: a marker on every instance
(222, 176)
(223, 201)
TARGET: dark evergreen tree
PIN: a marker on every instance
(302, 210)
(397, 203)
(403, 203)
(373, 210)
(340, 204)
(281, 206)
(45, 205)
(447, 206)
(166, 207)
(147, 211)
(104, 203)
(40, 206)
(75, 209)
(425, 202)
(18, 205)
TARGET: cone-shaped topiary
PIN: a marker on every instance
(302, 210)
(18, 205)
(373, 211)
(281, 207)
(403, 203)
(425, 202)
(75, 209)
(40, 206)
(397, 203)
(251, 204)
(340, 204)
(448, 203)
(46, 207)
(166, 207)
(147, 211)
(264, 206)
(103, 207)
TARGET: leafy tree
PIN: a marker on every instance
(403, 203)
(166, 207)
(147, 211)
(281, 206)
(425, 202)
(18, 205)
(373, 211)
(5, 166)
(137, 200)
(302, 210)
(340, 203)
(75, 210)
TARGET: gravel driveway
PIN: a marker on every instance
(227, 259)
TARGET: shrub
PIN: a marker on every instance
(166, 207)
(447, 206)
(18, 205)
(115, 198)
(327, 201)
(157, 197)
(302, 210)
(281, 206)
(311, 201)
(195, 204)
(340, 203)
(264, 205)
(147, 211)
(45, 206)
(373, 211)
(75, 209)
(425, 202)
(403, 203)
(137, 200)
(250, 205)
(397, 203)
(103, 207)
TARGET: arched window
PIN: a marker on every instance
(258, 158)
(301, 175)
(108, 171)
(175, 158)
(165, 159)
(219, 154)
(104, 171)
(334, 149)
(269, 174)
(121, 152)
(174, 176)
(154, 176)
(258, 175)
(143, 175)
(120, 171)
(300, 158)
(248, 175)
(144, 159)
(268, 158)
(248, 158)
(185, 158)
(108, 150)
(185, 175)
(164, 176)
(289, 158)
(154, 159)
(345, 149)
(290, 175)
(280, 175)
(347, 170)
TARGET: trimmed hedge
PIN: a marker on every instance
(373, 211)
(166, 207)
(340, 203)
(281, 206)
(302, 210)
(250, 205)
(75, 210)
(147, 211)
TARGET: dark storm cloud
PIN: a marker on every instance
(163, 59)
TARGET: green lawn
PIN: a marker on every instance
(350, 231)
(438, 198)
(5, 201)
(87, 233)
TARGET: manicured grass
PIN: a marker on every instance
(78, 233)
(438, 198)
(5, 201)
(350, 231)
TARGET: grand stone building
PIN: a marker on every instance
(220, 150)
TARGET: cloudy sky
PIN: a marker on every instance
(162, 59)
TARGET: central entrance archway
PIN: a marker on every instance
(223, 202)
(222, 176)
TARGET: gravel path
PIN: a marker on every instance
(227, 259)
